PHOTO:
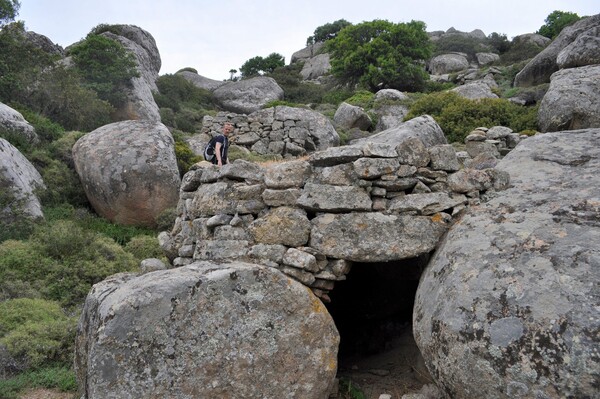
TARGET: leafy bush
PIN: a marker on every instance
(259, 65)
(61, 95)
(182, 104)
(460, 43)
(184, 154)
(458, 116)
(380, 54)
(336, 96)
(520, 50)
(106, 66)
(21, 64)
(143, 247)
(9, 9)
(62, 260)
(36, 332)
(327, 31)
(556, 21)
(296, 90)
(362, 98)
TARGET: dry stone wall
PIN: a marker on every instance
(312, 218)
(286, 131)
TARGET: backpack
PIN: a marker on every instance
(209, 150)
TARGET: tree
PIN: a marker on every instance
(232, 72)
(9, 9)
(327, 31)
(259, 65)
(106, 66)
(499, 42)
(556, 21)
(381, 54)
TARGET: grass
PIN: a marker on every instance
(59, 377)
(348, 391)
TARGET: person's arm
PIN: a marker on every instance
(218, 153)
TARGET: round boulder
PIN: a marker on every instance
(350, 116)
(572, 100)
(448, 63)
(248, 95)
(129, 171)
(205, 331)
(508, 305)
(13, 122)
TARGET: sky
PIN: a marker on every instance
(214, 37)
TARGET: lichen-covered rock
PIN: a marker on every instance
(507, 306)
(12, 121)
(248, 95)
(129, 171)
(543, 65)
(350, 116)
(315, 67)
(572, 100)
(205, 331)
(585, 50)
(448, 63)
(20, 180)
(375, 237)
(423, 127)
(201, 81)
(140, 101)
(475, 90)
(282, 225)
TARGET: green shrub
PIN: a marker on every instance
(520, 50)
(362, 98)
(296, 90)
(166, 219)
(119, 233)
(60, 377)
(460, 43)
(106, 66)
(337, 96)
(36, 332)
(62, 260)
(458, 116)
(46, 129)
(144, 247)
(184, 154)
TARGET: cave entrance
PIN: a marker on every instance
(372, 310)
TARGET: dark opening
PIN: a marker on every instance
(374, 305)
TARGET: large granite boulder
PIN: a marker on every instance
(201, 81)
(316, 67)
(448, 63)
(235, 330)
(349, 116)
(307, 52)
(532, 38)
(423, 127)
(572, 100)
(543, 65)
(141, 44)
(128, 171)
(585, 50)
(475, 90)
(20, 180)
(248, 95)
(508, 306)
(13, 123)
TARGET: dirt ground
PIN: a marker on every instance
(397, 371)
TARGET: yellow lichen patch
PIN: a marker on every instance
(316, 304)
(437, 218)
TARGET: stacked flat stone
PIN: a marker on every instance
(312, 218)
(497, 141)
(289, 138)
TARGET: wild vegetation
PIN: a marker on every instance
(47, 268)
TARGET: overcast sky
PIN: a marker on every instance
(216, 36)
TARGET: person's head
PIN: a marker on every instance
(227, 128)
